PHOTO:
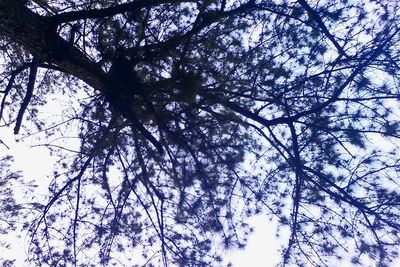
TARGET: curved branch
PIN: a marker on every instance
(28, 95)
(314, 15)
(10, 84)
(110, 11)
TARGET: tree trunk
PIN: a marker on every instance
(38, 35)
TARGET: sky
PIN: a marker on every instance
(36, 163)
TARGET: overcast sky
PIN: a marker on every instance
(36, 163)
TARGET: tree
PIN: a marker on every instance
(10, 210)
(193, 115)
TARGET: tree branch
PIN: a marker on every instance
(10, 84)
(28, 95)
(314, 15)
(336, 93)
(111, 11)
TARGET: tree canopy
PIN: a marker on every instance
(188, 117)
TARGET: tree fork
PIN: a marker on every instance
(38, 35)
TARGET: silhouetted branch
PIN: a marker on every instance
(110, 11)
(10, 84)
(28, 95)
(314, 15)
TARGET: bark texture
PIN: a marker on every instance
(38, 35)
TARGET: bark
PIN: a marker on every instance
(38, 35)
(111, 11)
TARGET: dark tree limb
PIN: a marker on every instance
(35, 33)
(111, 11)
(10, 84)
(75, 223)
(314, 16)
(28, 95)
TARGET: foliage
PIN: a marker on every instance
(193, 115)
(10, 209)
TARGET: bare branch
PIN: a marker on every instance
(28, 95)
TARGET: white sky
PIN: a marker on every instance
(36, 163)
(262, 249)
